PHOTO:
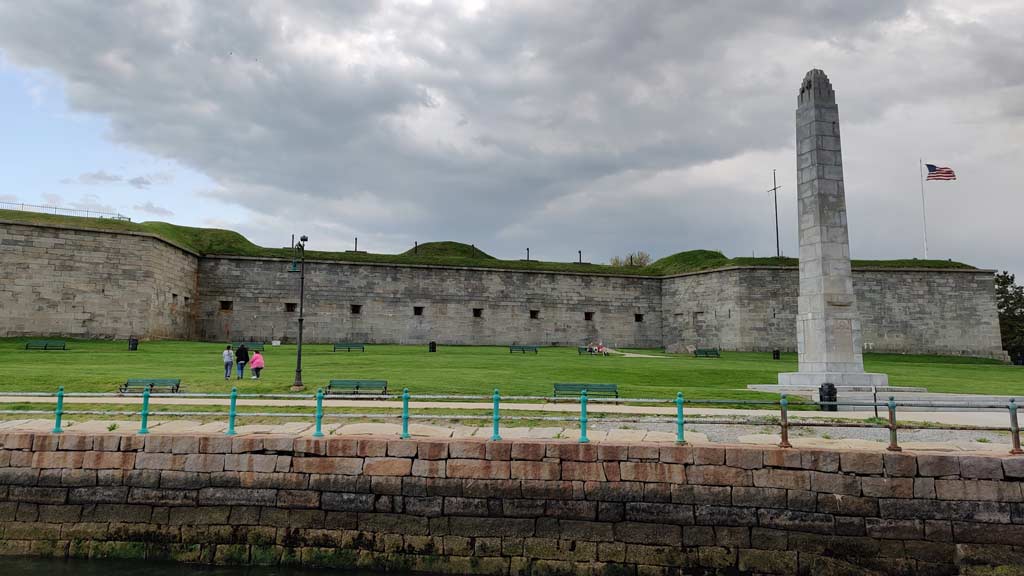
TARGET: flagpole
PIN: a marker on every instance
(924, 212)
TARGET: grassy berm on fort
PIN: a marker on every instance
(100, 366)
(209, 241)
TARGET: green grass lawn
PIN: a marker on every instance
(100, 366)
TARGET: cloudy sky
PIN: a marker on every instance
(601, 126)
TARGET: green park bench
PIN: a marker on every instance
(152, 384)
(46, 345)
(707, 353)
(523, 348)
(575, 389)
(357, 387)
(348, 346)
(252, 346)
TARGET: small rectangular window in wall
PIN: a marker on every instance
(187, 300)
(226, 305)
(174, 298)
(356, 308)
(588, 316)
(478, 312)
(638, 317)
(417, 310)
(290, 306)
(534, 314)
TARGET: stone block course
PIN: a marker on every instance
(652, 509)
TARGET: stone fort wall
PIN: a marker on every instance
(512, 307)
(509, 507)
(63, 281)
(902, 310)
(81, 283)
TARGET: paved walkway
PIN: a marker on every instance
(985, 419)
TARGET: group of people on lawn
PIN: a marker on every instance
(598, 348)
(240, 358)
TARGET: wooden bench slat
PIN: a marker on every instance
(577, 388)
(524, 348)
(173, 384)
(357, 387)
(46, 345)
(349, 346)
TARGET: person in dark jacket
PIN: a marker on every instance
(241, 358)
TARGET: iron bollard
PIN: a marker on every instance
(405, 413)
(144, 428)
(893, 445)
(495, 436)
(232, 412)
(1014, 428)
(58, 414)
(319, 433)
(583, 418)
(680, 439)
(784, 422)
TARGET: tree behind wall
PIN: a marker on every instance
(1010, 301)
(637, 259)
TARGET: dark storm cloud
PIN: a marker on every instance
(609, 126)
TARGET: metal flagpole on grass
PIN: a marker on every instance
(924, 212)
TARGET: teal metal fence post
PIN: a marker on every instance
(893, 445)
(232, 412)
(583, 418)
(497, 399)
(58, 414)
(405, 413)
(1014, 428)
(319, 413)
(784, 422)
(680, 439)
(144, 427)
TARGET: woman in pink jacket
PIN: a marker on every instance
(256, 364)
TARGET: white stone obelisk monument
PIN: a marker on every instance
(827, 323)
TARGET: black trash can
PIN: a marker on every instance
(776, 354)
(133, 344)
(432, 347)
(827, 393)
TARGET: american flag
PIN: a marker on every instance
(940, 173)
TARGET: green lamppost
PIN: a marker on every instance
(299, 265)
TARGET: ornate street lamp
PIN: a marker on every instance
(299, 265)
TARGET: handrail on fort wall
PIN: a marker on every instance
(495, 417)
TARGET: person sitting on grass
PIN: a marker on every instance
(241, 358)
(229, 360)
(256, 364)
(601, 349)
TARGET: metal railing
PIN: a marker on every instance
(784, 423)
(62, 211)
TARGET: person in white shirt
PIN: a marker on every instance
(229, 361)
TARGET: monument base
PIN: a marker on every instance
(816, 379)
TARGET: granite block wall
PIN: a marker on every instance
(65, 282)
(902, 310)
(61, 281)
(511, 507)
(259, 292)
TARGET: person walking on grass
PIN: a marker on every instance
(229, 361)
(241, 359)
(256, 364)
